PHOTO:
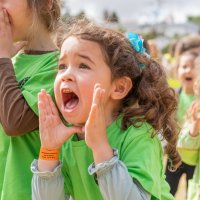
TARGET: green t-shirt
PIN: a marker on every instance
(4, 144)
(141, 153)
(184, 103)
(33, 72)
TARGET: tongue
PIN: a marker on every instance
(72, 103)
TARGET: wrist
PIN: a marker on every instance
(49, 154)
(102, 153)
(47, 165)
(104, 166)
(48, 159)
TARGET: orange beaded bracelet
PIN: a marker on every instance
(46, 154)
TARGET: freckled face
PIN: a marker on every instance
(81, 66)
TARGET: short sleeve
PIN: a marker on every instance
(42, 79)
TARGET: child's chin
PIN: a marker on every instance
(75, 122)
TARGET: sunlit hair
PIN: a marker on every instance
(150, 100)
(48, 11)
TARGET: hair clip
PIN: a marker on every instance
(136, 41)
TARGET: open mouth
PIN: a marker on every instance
(188, 79)
(70, 99)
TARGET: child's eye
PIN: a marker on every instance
(84, 66)
(185, 66)
(62, 66)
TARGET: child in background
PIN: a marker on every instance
(169, 63)
(186, 74)
(118, 99)
(190, 139)
(21, 80)
(189, 42)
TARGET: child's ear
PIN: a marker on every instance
(121, 87)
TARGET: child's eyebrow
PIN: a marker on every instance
(86, 57)
(62, 58)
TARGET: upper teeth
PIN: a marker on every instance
(66, 90)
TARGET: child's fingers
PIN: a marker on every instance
(72, 130)
(6, 19)
(41, 97)
(1, 18)
(102, 97)
(98, 102)
(42, 116)
(41, 112)
(54, 109)
(92, 115)
(41, 103)
(193, 113)
(42, 106)
(197, 113)
(46, 101)
(96, 94)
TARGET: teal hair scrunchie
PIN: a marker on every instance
(136, 41)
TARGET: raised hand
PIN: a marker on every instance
(53, 133)
(95, 128)
(7, 48)
(195, 117)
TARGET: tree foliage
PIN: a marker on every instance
(110, 16)
(194, 19)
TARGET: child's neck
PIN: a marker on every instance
(188, 91)
(43, 42)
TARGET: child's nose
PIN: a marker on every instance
(68, 76)
(188, 69)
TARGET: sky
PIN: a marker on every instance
(141, 10)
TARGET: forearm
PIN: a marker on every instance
(186, 140)
(47, 185)
(188, 147)
(102, 153)
(115, 183)
(16, 116)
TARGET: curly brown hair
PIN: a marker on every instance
(150, 100)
